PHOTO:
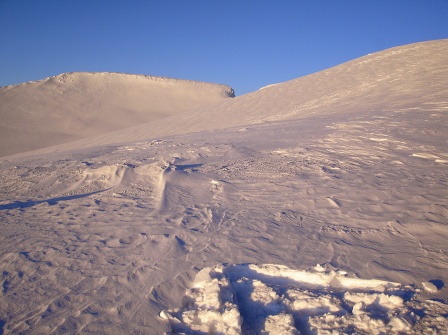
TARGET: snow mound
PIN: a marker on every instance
(273, 299)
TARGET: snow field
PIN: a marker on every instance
(345, 168)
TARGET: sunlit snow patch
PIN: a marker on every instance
(273, 299)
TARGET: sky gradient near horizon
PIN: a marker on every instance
(245, 44)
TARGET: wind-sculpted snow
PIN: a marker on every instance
(99, 239)
(102, 240)
(274, 299)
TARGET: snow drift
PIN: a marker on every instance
(273, 299)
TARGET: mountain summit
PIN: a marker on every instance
(77, 105)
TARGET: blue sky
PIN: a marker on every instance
(246, 43)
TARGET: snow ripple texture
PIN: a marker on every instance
(274, 299)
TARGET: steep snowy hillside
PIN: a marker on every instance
(72, 106)
(322, 208)
(410, 77)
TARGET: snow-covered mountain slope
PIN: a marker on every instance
(105, 239)
(408, 77)
(72, 106)
(219, 231)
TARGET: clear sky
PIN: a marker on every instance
(246, 44)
